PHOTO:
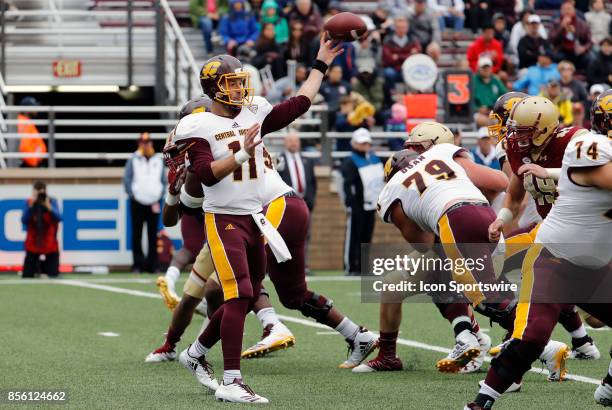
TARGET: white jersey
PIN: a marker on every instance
(578, 226)
(274, 184)
(241, 192)
(428, 186)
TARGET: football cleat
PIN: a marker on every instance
(603, 394)
(380, 364)
(586, 351)
(202, 308)
(475, 364)
(365, 342)
(466, 349)
(514, 387)
(472, 406)
(170, 298)
(238, 392)
(554, 356)
(200, 368)
(166, 353)
(274, 337)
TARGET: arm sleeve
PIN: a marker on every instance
(27, 214)
(284, 114)
(201, 159)
(55, 212)
(128, 176)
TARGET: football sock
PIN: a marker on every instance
(475, 325)
(197, 349)
(232, 328)
(486, 397)
(172, 275)
(348, 329)
(460, 324)
(173, 337)
(267, 316)
(579, 333)
(387, 343)
(212, 333)
(230, 375)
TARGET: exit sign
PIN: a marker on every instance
(66, 68)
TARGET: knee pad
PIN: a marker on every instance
(316, 306)
(516, 359)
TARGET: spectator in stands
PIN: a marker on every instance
(332, 90)
(363, 179)
(397, 47)
(334, 7)
(600, 69)
(297, 47)
(284, 88)
(40, 219)
(397, 123)
(255, 6)
(368, 50)
(267, 52)
(487, 87)
(571, 37)
(238, 27)
(425, 25)
(270, 14)
(486, 44)
(355, 112)
(484, 152)
(573, 89)
(520, 29)
(205, 15)
(450, 13)
(382, 19)
(529, 46)
(310, 17)
(395, 7)
(548, 4)
(501, 31)
(30, 141)
(599, 21)
(478, 13)
(564, 104)
(539, 74)
(370, 85)
(457, 137)
(507, 8)
(144, 181)
(346, 61)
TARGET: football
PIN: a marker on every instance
(345, 27)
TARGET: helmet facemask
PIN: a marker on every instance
(419, 146)
(227, 86)
(497, 131)
(527, 139)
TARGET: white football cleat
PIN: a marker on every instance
(275, 337)
(474, 365)
(554, 356)
(202, 308)
(238, 392)
(365, 342)
(603, 394)
(167, 292)
(514, 387)
(466, 349)
(587, 351)
(200, 368)
(165, 353)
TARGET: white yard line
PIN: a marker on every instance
(147, 280)
(301, 321)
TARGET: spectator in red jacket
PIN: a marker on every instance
(397, 47)
(571, 37)
(40, 218)
(486, 44)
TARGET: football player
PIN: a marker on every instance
(227, 156)
(427, 185)
(571, 256)
(538, 146)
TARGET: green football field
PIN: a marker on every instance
(51, 338)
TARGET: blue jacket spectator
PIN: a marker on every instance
(484, 152)
(538, 75)
(239, 27)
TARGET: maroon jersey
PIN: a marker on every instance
(544, 190)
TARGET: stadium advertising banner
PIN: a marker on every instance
(95, 227)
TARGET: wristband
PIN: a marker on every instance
(320, 65)
(554, 173)
(190, 201)
(505, 215)
(241, 157)
(171, 200)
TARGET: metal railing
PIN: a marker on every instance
(320, 139)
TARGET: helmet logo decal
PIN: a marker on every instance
(210, 70)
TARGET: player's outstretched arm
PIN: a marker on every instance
(484, 178)
(411, 232)
(170, 212)
(600, 177)
(328, 51)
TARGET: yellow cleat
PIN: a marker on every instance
(171, 300)
(466, 349)
(495, 350)
(275, 337)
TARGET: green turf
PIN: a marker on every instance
(51, 342)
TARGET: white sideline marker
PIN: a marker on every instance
(306, 322)
(108, 334)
